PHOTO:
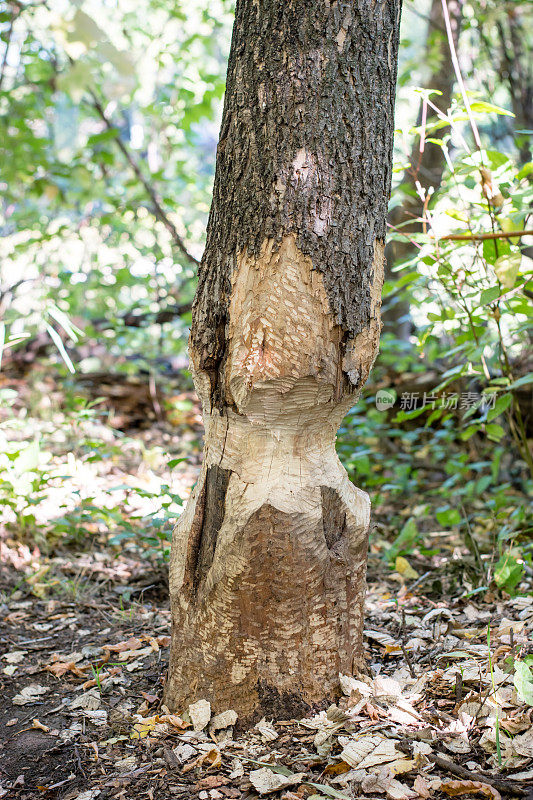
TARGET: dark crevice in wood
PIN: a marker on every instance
(194, 541)
(215, 487)
(333, 516)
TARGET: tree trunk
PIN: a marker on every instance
(426, 167)
(268, 560)
(515, 66)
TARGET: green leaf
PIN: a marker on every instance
(56, 338)
(523, 682)
(489, 295)
(492, 250)
(448, 516)
(403, 415)
(494, 431)
(28, 458)
(105, 136)
(507, 268)
(2, 340)
(481, 107)
(277, 768)
(508, 572)
(405, 539)
(174, 462)
(329, 791)
(75, 80)
(469, 432)
(502, 403)
(523, 381)
(526, 170)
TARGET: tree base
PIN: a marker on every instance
(270, 602)
(268, 560)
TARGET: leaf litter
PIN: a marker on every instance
(450, 722)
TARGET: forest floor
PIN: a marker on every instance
(445, 709)
(82, 680)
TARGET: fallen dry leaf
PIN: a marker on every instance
(126, 763)
(143, 727)
(267, 730)
(385, 640)
(89, 701)
(150, 698)
(212, 756)
(403, 765)
(60, 668)
(523, 744)
(211, 782)
(183, 752)
(421, 786)
(90, 794)
(121, 647)
(265, 781)
(174, 721)
(226, 719)
(98, 717)
(15, 656)
(337, 769)
(29, 694)
(382, 781)
(457, 788)
(200, 714)
(404, 568)
(350, 684)
(367, 751)
(526, 775)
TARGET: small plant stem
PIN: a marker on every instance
(497, 726)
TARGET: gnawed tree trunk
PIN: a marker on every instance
(268, 560)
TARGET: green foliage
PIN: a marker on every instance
(405, 540)
(122, 516)
(78, 227)
(509, 570)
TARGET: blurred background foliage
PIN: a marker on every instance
(109, 117)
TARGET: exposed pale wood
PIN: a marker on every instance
(275, 603)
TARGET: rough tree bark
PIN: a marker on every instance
(268, 560)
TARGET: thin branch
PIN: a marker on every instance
(457, 68)
(157, 207)
(158, 210)
(482, 237)
(503, 785)
(132, 320)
